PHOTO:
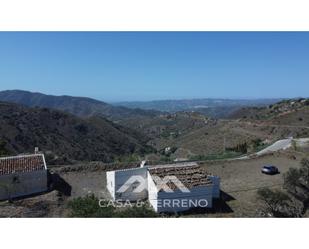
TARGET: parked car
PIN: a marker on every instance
(270, 170)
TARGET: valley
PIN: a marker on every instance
(82, 143)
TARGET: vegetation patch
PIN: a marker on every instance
(89, 207)
(226, 155)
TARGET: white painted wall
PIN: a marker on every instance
(110, 183)
(167, 202)
(26, 184)
(152, 193)
(118, 178)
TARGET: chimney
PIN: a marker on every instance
(143, 163)
(36, 150)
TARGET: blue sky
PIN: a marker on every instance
(122, 66)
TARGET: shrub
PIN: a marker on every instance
(242, 148)
(137, 212)
(296, 182)
(279, 204)
(256, 143)
(89, 207)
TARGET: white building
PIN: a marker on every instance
(121, 179)
(169, 188)
(22, 176)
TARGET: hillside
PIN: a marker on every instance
(278, 111)
(171, 125)
(193, 134)
(79, 106)
(65, 137)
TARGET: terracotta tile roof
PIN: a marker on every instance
(189, 176)
(21, 164)
(181, 164)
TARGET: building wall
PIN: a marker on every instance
(23, 184)
(216, 187)
(121, 177)
(110, 183)
(152, 192)
(178, 201)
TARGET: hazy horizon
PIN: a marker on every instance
(154, 100)
(148, 66)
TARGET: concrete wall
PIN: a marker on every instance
(23, 184)
(119, 179)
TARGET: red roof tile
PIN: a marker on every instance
(21, 164)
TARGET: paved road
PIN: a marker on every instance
(279, 145)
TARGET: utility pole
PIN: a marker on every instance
(224, 143)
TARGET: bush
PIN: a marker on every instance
(279, 204)
(257, 143)
(88, 207)
(296, 182)
(242, 148)
(137, 212)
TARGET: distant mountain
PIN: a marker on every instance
(79, 106)
(65, 137)
(216, 108)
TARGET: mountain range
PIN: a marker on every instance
(79, 106)
(64, 137)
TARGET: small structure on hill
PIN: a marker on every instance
(168, 188)
(22, 175)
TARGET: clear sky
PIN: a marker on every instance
(115, 66)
